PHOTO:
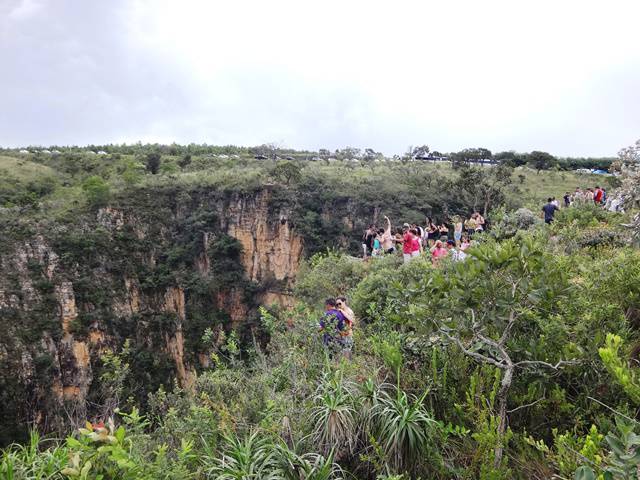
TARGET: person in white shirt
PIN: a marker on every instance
(455, 253)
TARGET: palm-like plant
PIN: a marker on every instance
(261, 457)
(404, 429)
(334, 416)
(245, 459)
(310, 466)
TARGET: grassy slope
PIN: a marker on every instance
(245, 172)
(23, 170)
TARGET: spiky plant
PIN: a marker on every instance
(253, 457)
(309, 466)
(404, 429)
(334, 416)
(31, 460)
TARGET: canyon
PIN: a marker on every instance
(158, 274)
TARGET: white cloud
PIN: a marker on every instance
(558, 76)
(24, 9)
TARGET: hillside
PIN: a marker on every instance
(191, 296)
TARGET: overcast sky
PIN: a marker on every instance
(561, 76)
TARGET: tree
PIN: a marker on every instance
(97, 191)
(421, 152)
(185, 161)
(629, 165)
(370, 155)
(630, 154)
(287, 171)
(511, 158)
(153, 161)
(470, 155)
(269, 150)
(484, 187)
(542, 161)
(493, 307)
(348, 153)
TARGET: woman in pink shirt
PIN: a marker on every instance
(438, 251)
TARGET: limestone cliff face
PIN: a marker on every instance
(270, 248)
(80, 301)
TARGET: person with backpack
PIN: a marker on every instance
(334, 327)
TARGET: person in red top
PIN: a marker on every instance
(597, 195)
(409, 242)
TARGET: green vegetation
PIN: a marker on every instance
(505, 366)
(518, 363)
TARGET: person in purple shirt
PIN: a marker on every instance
(332, 324)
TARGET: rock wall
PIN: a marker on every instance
(56, 364)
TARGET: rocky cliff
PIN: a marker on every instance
(157, 270)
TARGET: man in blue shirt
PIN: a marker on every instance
(549, 211)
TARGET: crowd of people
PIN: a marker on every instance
(597, 196)
(436, 239)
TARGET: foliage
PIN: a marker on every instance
(97, 191)
(619, 370)
(493, 368)
(153, 161)
(287, 172)
(541, 160)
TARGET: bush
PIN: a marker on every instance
(97, 190)
(328, 275)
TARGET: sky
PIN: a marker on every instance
(559, 76)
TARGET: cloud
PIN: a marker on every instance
(556, 76)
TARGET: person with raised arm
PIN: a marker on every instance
(388, 241)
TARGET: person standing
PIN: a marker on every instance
(567, 199)
(548, 211)
(407, 243)
(443, 230)
(457, 230)
(347, 334)
(368, 239)
(437, 252)
(578, 196)
(387, 239)
(597, 195)
(416, 246)
(432, 232)
(332, 325)
(377, 244)
(456, 254)
(588, 196)
(470, 224)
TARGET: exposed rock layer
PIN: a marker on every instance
(56, 364)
